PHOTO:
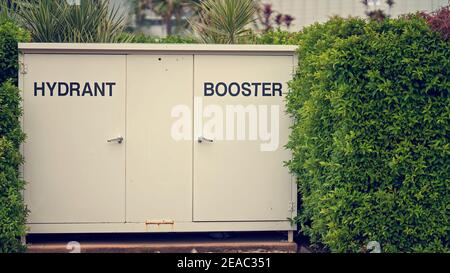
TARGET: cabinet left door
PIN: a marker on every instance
(73, 104)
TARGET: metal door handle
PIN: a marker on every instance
(204, 139)
(117, 139)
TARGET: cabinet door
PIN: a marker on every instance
(240, 175)
(73, 174)
(159, 161)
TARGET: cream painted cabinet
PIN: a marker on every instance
(156, 138)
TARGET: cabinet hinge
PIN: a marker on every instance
(23, 68)
(291, 206)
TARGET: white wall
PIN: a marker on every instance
(307, 12)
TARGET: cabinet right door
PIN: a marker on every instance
(240, 129)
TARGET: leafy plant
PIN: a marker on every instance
(10, 35)
(370, 104)
(268, 17)
(141, 38)
(12, 209)
(58, 21)
(439, 20)
(12, 212)
(8, 10)
(224, 21)
(279, 37)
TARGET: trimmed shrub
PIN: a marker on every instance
(58, 21)
(370, 136)
(12, 209)
(10, 112)
(10, 35)
(278, 37)
(142, 38)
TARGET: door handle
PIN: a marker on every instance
(117, 139)
(204, 139)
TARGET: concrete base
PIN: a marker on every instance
(238, 247)
(163, 243)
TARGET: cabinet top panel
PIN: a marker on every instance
(74, 48)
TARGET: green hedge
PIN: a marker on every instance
(12, 209)
(278, 37)
(142, 38)
(10, 34)
(370, 140)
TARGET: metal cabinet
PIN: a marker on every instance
(156, 138)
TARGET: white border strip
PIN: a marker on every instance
(131, 48)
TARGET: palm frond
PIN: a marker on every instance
(58, 21)
(224, 21)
